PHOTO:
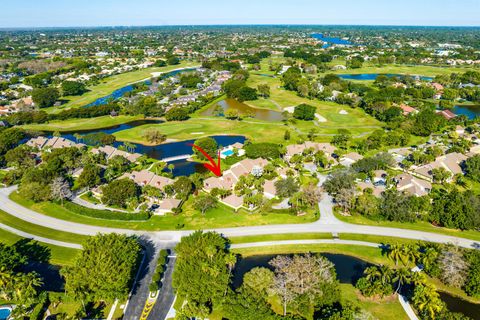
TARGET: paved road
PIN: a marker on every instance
(327, 223)
(140, 291)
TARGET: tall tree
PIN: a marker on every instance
(104, 269)
(201, 274)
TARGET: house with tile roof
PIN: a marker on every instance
(414, 186)
(451, 162)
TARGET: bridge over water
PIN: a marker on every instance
(180, 157)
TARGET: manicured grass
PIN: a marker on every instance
(195, 128)
(403, 69)
(189, 219)
(82, 124)
(59, 255)
(420, 225)
(380, 309)
(40, 231)
(279, 237)
(371, 254)
(110, 84)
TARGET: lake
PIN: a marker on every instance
(471, 111)
(329, 41)
(165, 150)
(349, 269)
(373, 76)
(117, 94)
(242, 108)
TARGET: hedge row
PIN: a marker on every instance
(105, 214)
(157, 276)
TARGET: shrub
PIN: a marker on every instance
(153, 287)
(105, 214)
(304, 112)
(264, 150)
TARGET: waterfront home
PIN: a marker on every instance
(451, 162)
(52, 143)
(231, 176)
(110, 152)
(145, 177)
(447, 114)
(411, 185)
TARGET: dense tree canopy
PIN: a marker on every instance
(201, 275)
(45, 97)
(105, 268)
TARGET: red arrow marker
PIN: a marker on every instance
(212, 166)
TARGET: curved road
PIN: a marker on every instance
(327, 223)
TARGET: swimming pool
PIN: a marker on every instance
(5, 312)
(227, 153)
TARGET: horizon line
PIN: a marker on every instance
(235, 25)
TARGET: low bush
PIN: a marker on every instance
(105, 214)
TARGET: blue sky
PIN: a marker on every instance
(54, 13)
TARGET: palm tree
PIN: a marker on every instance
(130, 146)
(418, 278)
(401, 276)
(427, 300)
(372, 273)
(230, 260)
(428, 258)
(171, 167)
(78, 136)
(158, 167)
(396, 253)
(7, 279)
(385, 274)
(412, 252)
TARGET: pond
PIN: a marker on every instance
(162, 151)
(242, 108)
(455, 304)
(471, 111)
(349, 269)
(329, 41)
(117, 94)
(373, 76)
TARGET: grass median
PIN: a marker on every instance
(419, 226)
(40, 231)
(58, 255)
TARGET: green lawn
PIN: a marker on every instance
(59, 255)
(279, 237)
(40, 231)
(82, 124)
(403, 69)
(420, 225)
(112, 83)
(189, 219)
(196, 128)
(380, 309)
